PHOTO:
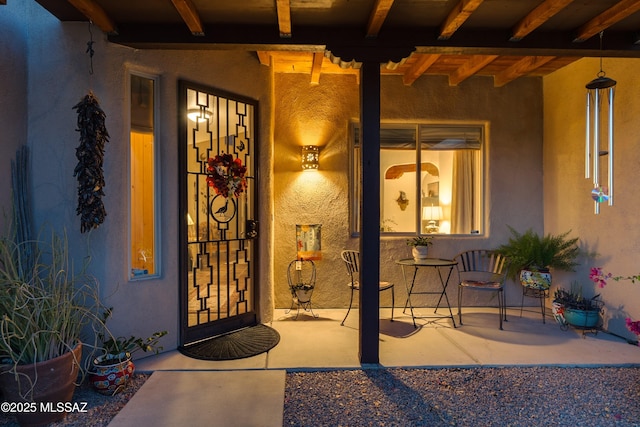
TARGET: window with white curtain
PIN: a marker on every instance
(431, 178)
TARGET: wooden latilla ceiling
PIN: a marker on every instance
(504, 39)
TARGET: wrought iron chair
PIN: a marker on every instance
(352, 261)
(301, 276)
(482, 270)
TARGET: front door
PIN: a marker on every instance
(218, 209)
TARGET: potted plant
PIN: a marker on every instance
(420, 246)
(45, 307)
(112, 370)
(571, 307)
(532, 256)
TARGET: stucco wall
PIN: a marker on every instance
(58, 78)
(307, 114)
(614, 233)
(13, 97)
(292, 113)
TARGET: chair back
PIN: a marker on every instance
(482, 264)
(352, 261)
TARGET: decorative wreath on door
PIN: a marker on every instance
(226, 175)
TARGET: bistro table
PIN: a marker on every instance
(440, 265)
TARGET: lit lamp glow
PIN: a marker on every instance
(199, 114)
(432, 214)
(310, 157)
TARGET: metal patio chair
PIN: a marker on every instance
(352, 261)
(482, 270)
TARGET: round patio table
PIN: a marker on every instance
(441, 265)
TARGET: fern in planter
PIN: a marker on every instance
(531, 251)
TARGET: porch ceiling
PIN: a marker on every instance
(504, 39)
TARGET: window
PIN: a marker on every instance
(431, 178)
(143, 219)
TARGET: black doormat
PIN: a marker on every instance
(246, 342)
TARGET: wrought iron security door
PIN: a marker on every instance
(219, 231)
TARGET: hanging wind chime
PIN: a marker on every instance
(599, 124)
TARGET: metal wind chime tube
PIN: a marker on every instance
(610, 145)
(597, 89)
(587, 148)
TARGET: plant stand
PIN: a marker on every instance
(587, 321)
(301, 276)
(540, 293)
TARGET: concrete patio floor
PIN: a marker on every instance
(309, 343)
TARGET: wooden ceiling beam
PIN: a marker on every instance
(316, 67)
(520, 68)
(283, 8)
(264, 57)
(95, 14)
(469, 68)
(537, 17)
(614, 14)
(457, 16)
(422, 64)
(377, 17)
(190, 16)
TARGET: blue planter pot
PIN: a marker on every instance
(582, 318)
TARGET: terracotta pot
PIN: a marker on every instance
(53, 384)
(111, 373)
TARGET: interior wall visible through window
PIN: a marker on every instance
(143, 218)
(431, 178)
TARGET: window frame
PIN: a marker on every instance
(157, 253)
(355, 184)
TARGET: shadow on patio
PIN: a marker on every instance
(321, 343)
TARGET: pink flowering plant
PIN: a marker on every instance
(599, 277)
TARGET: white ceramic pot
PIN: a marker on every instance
(419, 252)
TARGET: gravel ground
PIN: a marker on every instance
(535, 396)
(100, 409)
(464, 397)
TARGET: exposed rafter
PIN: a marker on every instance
(409, 38)
(520, 68)
(472, 66)
(316, 68)
(457, 16)
(377, 17)
(189, 14)
(95, 14)
(284, 17)
(614, 14)
(422, 64)
(537, 17)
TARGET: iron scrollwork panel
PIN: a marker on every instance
(220, 171)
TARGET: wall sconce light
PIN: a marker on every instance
(199, 114)
(432, 214)
(310, 157)
(597, 89)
